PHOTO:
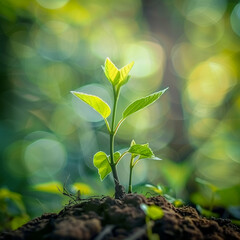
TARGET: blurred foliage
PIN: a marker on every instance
(167, 193)
(12, 211)
(49, 48)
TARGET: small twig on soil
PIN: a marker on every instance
(137, 234)
(108, 229)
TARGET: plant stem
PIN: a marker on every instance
(119, 191)
(112, 164)
(130, 175)
(118, 125)
(149, 227)
(212, 201)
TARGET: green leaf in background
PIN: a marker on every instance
(18, 221)
(111, 71)
(100, 161)
(11, 219)
(176, 174)
(157, 189)
(84, 188)
(95, 102)
(177, 202)
(206, 213)
(13, 196)
(124, 73)
(154, 212)
(144, 151)
(142, 103)
(50, 187)
(206, 183)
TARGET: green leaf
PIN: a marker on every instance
(206, 213)
(154, 212)
(177, 202)
(206, 183)
(13, 196)
(95, 102)
(144, 151)
(116, 156)
(132, 143)
(156, 189)
(124, 73)
(116, 76)
(18, 221)
(84, 188)
(100, 161)
(50, 187)
(142, 103)
(111, 71)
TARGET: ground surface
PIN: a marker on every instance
(109, 218)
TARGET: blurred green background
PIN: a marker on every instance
(49, 48)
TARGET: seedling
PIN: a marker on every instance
(152, 213)
(163, 191)
(108, 163)
(212, 188)
(138, 152)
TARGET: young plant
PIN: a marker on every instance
(212, 188)
(163, 191)
(138, 152)
(117, 78)
(152, 213)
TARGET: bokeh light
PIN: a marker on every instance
(54, 4)
(207, 86)
(235, 19)
(44, 157)
(204, 12)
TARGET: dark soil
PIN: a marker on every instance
(109, 218)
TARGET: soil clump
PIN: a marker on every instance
(115, 219)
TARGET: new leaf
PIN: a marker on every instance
(111, 71)
(124, 73)
(116, 76)
(144, 151)
(100, 161)
(142, 103)
(95, 102)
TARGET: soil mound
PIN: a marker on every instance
(116, 219)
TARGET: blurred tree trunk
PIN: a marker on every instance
(159, 17)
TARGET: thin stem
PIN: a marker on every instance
(149, 227)
(130, 175)
(212, 201)
(136, 161)
(118, 125)
(112, 164)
